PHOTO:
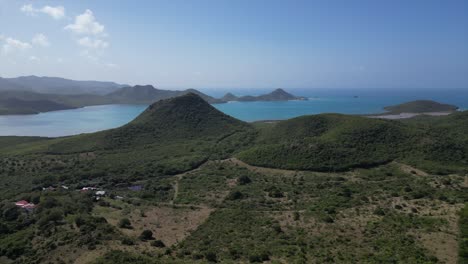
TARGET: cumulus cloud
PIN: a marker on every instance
(56, 12)
(12, 45)
(40, 40)
(86, 24)
(93, 43)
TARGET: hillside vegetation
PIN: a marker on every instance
(175, 193)
(332, 142)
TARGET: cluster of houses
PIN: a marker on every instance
(97, 195)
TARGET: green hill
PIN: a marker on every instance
(420, 106)
(332, 142)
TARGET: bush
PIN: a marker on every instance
(127, 241)
(146, 235)
(235, 196)
(158, 243)
(211, 257)
(125, 223)
(260, 256)
(243, 180)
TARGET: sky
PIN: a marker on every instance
(177, 44)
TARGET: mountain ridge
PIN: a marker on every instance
(58, 85)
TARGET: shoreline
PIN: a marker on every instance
(407, 115)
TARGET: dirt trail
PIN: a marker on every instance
(179, 177)
(408, 169)
(260, 169)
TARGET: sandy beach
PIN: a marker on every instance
(409, 115)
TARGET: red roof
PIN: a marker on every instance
(21, 203)
(29, 206)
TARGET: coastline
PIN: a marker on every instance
(408, 115)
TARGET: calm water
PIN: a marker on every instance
(96, 118)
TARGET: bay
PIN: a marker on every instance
(97, 118)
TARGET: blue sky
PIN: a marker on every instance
(373, 44)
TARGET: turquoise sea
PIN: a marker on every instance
(96, 118)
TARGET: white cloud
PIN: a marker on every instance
(40, 40)
(93, 43)
(57, 12)
(86, 24)
(28, 9)
(111, 65)
(34, 58)
(12, 45)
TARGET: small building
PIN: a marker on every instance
(100, 193)
(25, 205)
(21, 203)
(136, 188)
(50, 188)
(85, 189)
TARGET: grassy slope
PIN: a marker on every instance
(463, 244)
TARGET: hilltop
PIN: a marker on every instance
(174, 120)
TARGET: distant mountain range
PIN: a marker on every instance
(147, 94)
(32, 94)
(55, 85)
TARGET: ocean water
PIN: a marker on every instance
(96, 118)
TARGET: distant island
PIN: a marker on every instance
(277, 95)
(33, 95)
(415, 108)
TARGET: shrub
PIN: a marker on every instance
(243, 180)
(211, 256)
(146, 235)
(125, 223)
(235, 196)
(158, 243)
(127, 241)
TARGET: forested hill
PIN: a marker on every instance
(333, 142)
(420, 106)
